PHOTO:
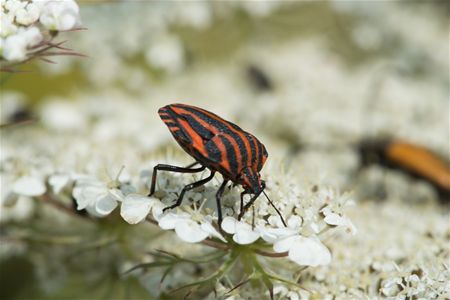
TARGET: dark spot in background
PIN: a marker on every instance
(259, 79)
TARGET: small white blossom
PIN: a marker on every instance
(29, 186)
(15, 48)
(7, 27)
(271, 234)
(28, 15)
(242, 232)
(280, 289)
(390, 287)
(96, 196)
(22, 30)
(305, 251)
(14, 5)
(293, 295)
(60, 15)
(32, 36)
(335, 219)
(58, 182)
(135, 207)
(187, 229)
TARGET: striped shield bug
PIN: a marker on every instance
(217, 145)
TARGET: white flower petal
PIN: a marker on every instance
(127, 189)
(229, 225)
(157, 210)
(245, 237)
(87, 194)
(275, 221)
(294, 222)
(117, 194)
(350, 227)
(93, 211)
(29, 15)
(60, 15)
(314, 227)
(170, 220)
(190, 231)
(285, 244)
(337, 220)
(58, 182)
(135, 208)
(293, 296)
(29, 186)
(326, 210)
(333, 219)
(280, 289)
(208, 228)
(14, 48)
(309, 252)
(105, 205)
(243, 232)
(32, 36)
(271, 235)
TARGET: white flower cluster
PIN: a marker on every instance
(67, 156)
(25, 25)
(425, 286)
(308, 211)
(301, 241)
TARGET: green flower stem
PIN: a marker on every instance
(97, 244)
(55, 240)
(216, 275)
(266, 276)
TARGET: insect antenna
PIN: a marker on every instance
(276, 209)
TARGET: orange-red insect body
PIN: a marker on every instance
(410, 158)
(218, 145)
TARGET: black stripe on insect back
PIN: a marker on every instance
(231, 154)
(200, 129)
(260, 156)
(171, 124)
(183, 134)
(213, 151)
(250, 139)
(224, 129)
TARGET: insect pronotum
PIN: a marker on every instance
(217, 145)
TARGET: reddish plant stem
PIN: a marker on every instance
(215, 244)
(47, 198)
(271, 254)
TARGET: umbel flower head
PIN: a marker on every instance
(310, 214)
(28, 28)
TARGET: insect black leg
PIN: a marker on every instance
(192, 165)
(243, 210)
(242, 202)
(218, 197)
(163, 167)
(190, 187)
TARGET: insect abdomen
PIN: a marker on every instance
(222, 144)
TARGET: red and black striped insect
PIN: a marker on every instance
(218, 145)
